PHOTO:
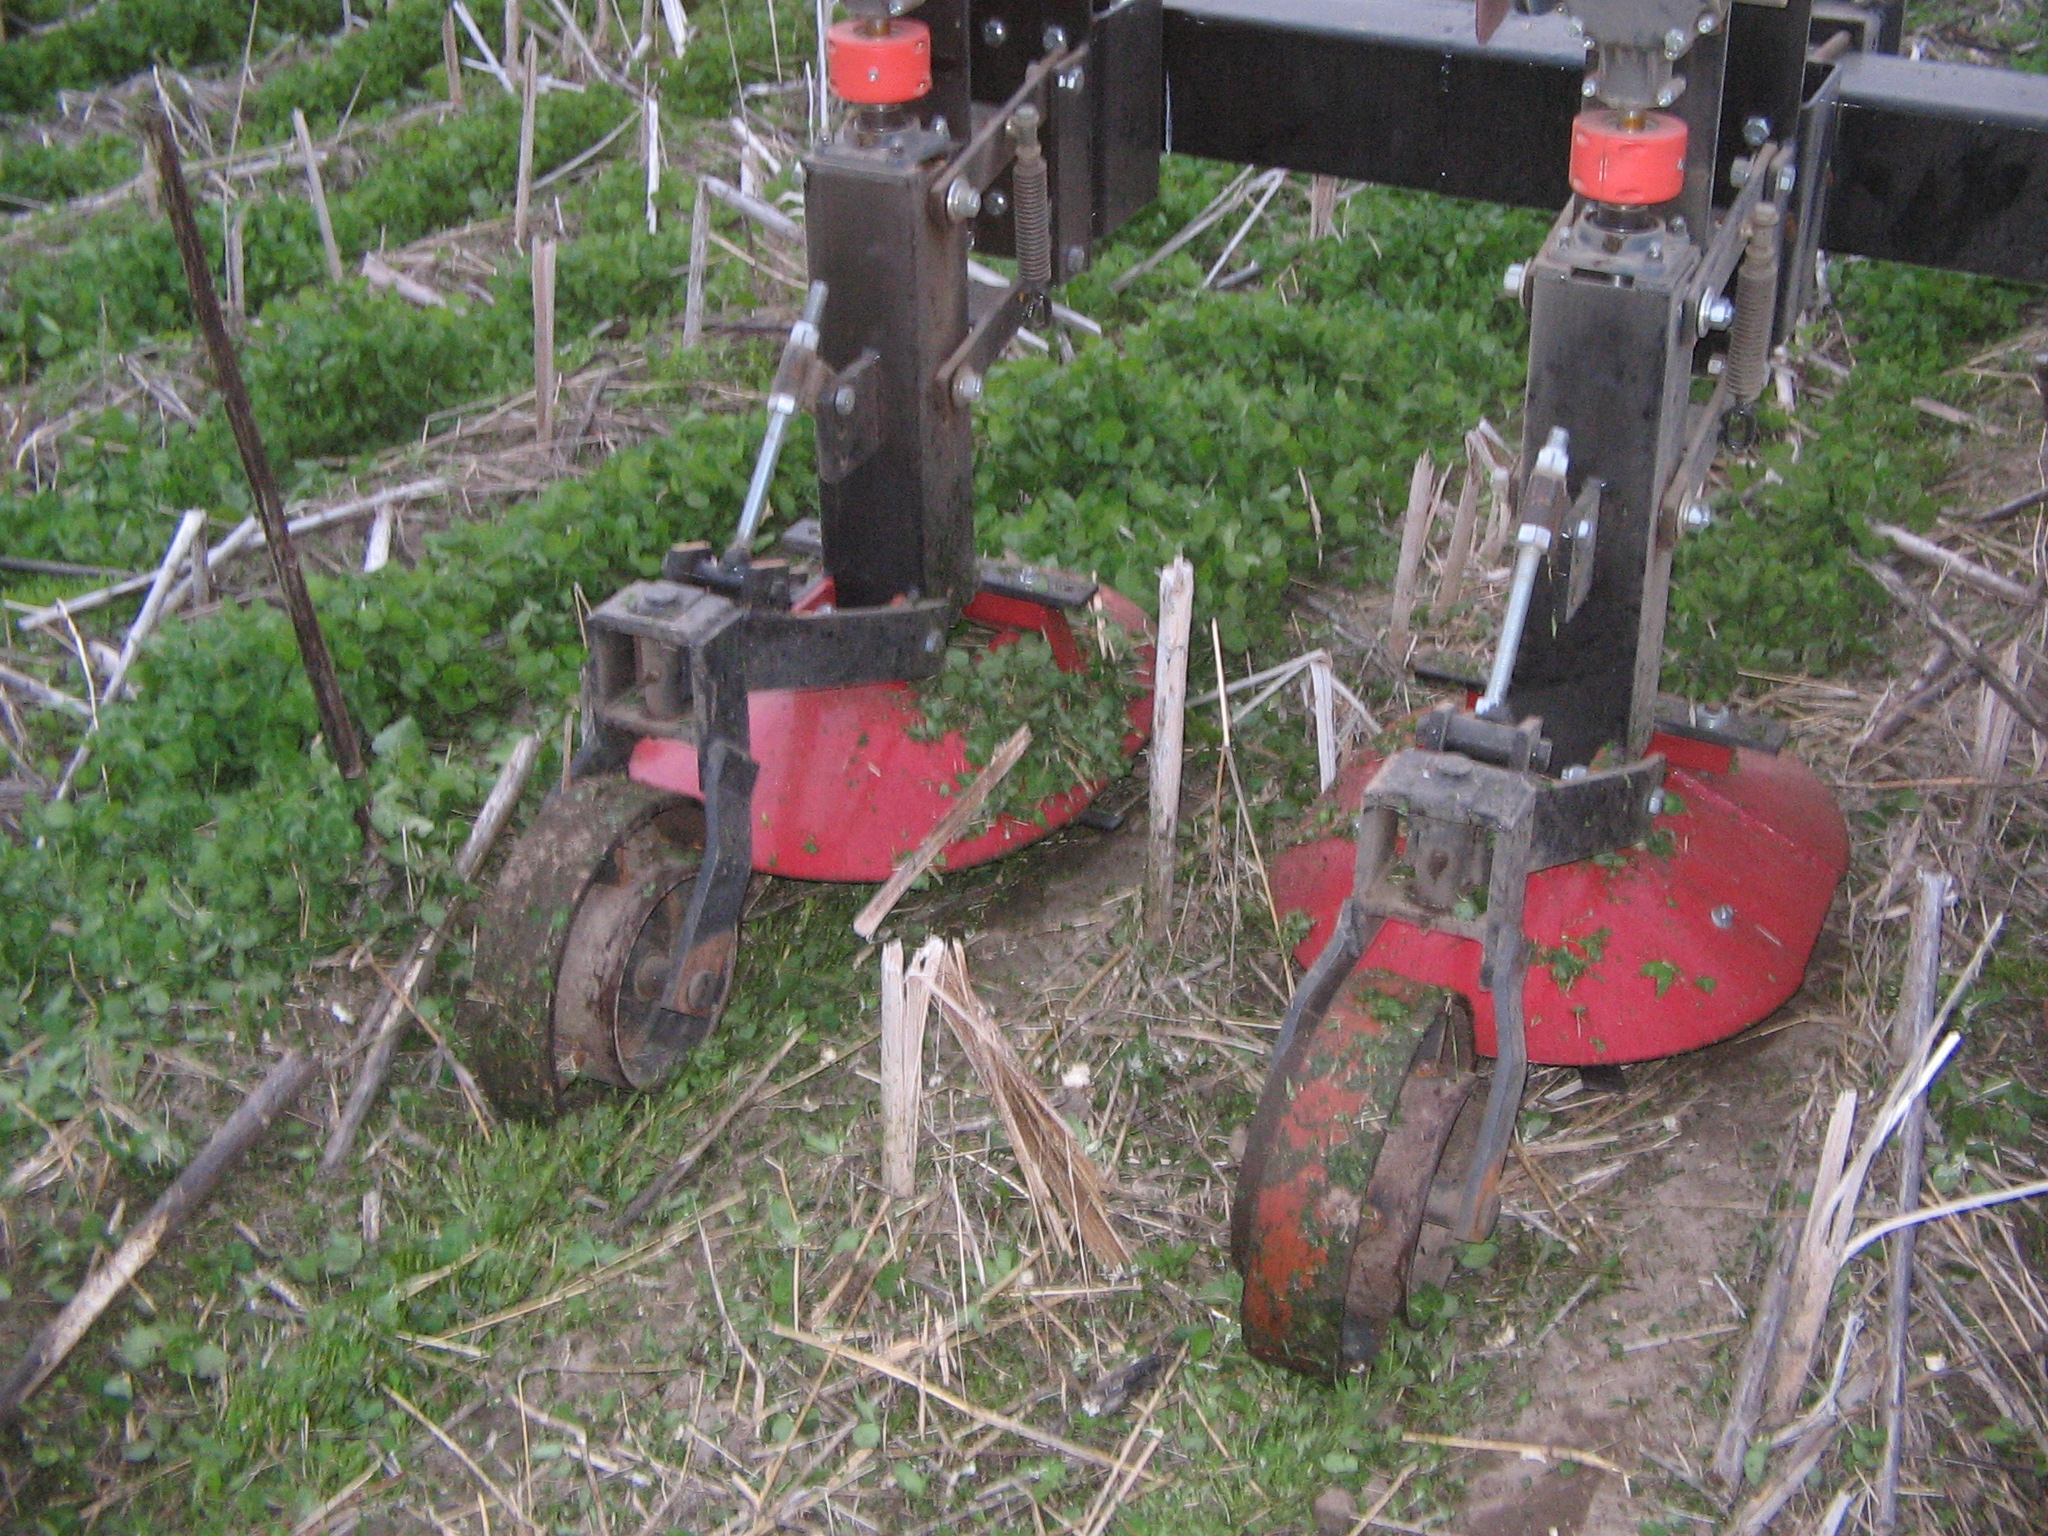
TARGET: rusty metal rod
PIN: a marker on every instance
(340, 729)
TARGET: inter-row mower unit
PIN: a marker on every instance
(1570, 868)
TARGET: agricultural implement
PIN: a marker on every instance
(1569, 868)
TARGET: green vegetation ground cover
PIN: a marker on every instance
(217, 857)
(119, 38)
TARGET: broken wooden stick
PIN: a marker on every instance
(379, 273)
(1746, 1400)
(40, 692)
(906, 1003)
(1169, 721)
(191, 527)
(767, 215)
(270, 1098)
(1965, 570)
(1922, 608)
(965, 805)
(388, 1019)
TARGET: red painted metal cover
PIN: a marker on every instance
(1641, 954)
(844, 792)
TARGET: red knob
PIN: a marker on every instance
(1612, 163)
(879, 69)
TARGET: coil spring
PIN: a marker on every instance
(1756, 297)
(1034, 215)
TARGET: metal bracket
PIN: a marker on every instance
(849, 415)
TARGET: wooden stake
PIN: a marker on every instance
(377, 551)
(340, 730)
(693, 288)
(1169, 721)
(233, 228)
(387, 1021)
(451, 59)
(1452, 587)
(905, 1005)
(544, 340)
(1323, 701)
(522, 197)
(515, 27)
(651, 116)
(965, 804)
(1414, 538)
(311, 158)
(1910, 1028)
(274, 1095)
(1322, 207)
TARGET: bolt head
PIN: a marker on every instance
(1589, 89)
(844, 400)
(1515, 280)
(1723, 916)
(963, 200)
(1584, 530)
(1656, 802)
(1669, 92)
(995, 32)
(1054, 38)
(1071, 79)
(1675, 43)
(966, 387)
(1755, 130)
(1717, 312)
(1077, 258)
(1697, 515)
(1788, 178)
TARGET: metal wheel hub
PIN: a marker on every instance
(1345, 1161)
(575, 942)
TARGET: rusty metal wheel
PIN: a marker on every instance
(1345, 1157)
(575, 941)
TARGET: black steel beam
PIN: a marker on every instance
(1397, 92)
(1939, 165)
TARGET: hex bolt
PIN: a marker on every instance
(1738, 171)
(1755, 130)
(1788, 178)
(933, 639)
(1675, 43)
(966, 387)
(1723, 916)
(1589, 88)
(995, 203)
(995, 32)
(1656, 806)
(1717, 312)
(1576, 771)
(1054, 38)
(1077, 258)
(1669, 92)
(1708, 24)
(1584, 530)
(844, 399)
(963, 200)
(1697, 516)
(1071, 79)
(1515, 282)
